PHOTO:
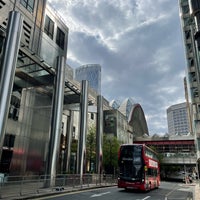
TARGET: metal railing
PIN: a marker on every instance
(19, 186)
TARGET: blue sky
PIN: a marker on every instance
(138, 44)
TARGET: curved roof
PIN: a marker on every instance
(126, 106)
(114, 104)
(137, 121)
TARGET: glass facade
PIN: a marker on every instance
(28, 4)
(49, 27)
(31, 134)
(91, 73)
(54, 38)
(126, 107)
(60, 38)
(26, 140)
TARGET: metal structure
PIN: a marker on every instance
(99, 135)
(9, 59)
(190, 21)
(33, 186)
(56, 119)
(83, 129)
(33, 84)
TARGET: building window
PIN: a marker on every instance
(28, 4)
(185, 9)
(60, 38)
(49, 27)
(92, 115)
(14, 108)
(9, 140)
(188, 34)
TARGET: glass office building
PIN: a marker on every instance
(44, 37)
(91, 73)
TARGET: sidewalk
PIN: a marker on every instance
(197, 191)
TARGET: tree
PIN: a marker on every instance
(110, 154)
(73, 156)
(90, 147)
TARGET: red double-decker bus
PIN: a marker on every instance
(138, 167)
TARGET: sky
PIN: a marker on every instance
(138, 44)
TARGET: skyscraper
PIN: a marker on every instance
(91, 73)
(190, 21)
(177, 119)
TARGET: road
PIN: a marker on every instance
(167, 191)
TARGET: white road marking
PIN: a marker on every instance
(144, 198)
(100, 194)
(184, 189)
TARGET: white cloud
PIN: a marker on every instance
(139, 46)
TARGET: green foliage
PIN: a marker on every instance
(91, 146)
(74, 146)
(110, 153)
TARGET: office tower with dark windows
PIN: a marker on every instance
(190, 21)
(91, 73)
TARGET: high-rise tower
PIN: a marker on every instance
(91, 73)
(190, 21)
(177, 119)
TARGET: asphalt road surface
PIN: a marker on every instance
(167, 191)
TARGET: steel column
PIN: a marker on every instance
(8, 66)
(69, 139)
(99, 134)
(56, 119)
(83, 127)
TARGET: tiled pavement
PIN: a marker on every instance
(197, 191)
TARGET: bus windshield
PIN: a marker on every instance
(131, 163)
